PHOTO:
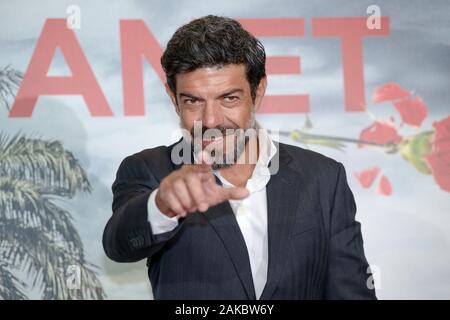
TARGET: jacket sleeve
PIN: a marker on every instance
(348, 274)
(128, 235)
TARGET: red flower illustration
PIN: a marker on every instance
(428, 151)
(381, 133)
(385, 187)
(412, 110)
(439, 157)
(367, 176)
(388, 92)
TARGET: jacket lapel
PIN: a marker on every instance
(225, 224)
(282, 202)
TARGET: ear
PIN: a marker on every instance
(260, 91)
(171, 94)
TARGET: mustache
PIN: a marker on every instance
(222, 129)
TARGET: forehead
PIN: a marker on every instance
(212, 79)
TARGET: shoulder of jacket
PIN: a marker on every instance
(301, 157)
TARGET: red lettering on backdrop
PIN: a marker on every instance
(280, 27)
(351, 31)
(36, 82)
(136, 41)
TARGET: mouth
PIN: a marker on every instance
(213, 141)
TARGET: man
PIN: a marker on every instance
(224, 224)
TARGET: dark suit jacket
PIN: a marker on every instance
(315, 244)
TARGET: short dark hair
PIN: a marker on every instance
(214, 41)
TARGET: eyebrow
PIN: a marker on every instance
(231, 92)
(183, 94)
(188, 95)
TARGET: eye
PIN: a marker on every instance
(231, 98)
(190, 101)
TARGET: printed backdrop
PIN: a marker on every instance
(364, 82)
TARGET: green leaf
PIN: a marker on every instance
(414, 149)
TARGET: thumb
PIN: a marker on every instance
(237, 193)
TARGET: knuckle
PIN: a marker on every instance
(189, 177)
(177, 208)
(178, 185)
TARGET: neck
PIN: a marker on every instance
(239, 173)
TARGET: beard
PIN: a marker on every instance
(230, 148)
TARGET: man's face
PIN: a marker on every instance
(217, 98)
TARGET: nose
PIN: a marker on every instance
(212, 115)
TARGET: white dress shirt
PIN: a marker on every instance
(251, 213)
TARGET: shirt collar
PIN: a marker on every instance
(261, 174)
